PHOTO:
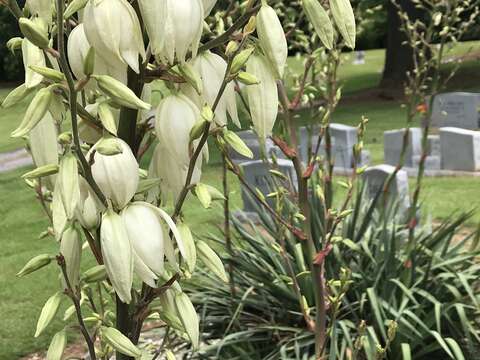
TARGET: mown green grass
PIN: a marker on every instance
(21, 218)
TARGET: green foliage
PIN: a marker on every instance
(428, 288)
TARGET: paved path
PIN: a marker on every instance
(14, 159)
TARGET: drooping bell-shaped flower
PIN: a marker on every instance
(183, 29)
(43, 145)
(175, 117)
(88, 211)
(77, 50)
(211, 68)
(262, 97)
(173, 175)
(32, 56)
(116, 175)
(117, 252)
(147, 227)
(154, 16)
(113, 29)
(71, 249)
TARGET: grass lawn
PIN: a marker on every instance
(21, 219)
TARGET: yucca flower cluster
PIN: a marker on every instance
(89, 174)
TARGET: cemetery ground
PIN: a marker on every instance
(21, 219)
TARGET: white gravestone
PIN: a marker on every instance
(458, 109)
(257, 174)
(375, 178)
(393, 143)
(460, 149)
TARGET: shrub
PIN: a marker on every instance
(436, 312)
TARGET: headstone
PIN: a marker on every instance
(344, 137)
(251, 140)
(460, 149)
(375, 178)
(457, 109)
(359, 58)
(393, 143)
(434, 145)
(257, 174)
(432, 162)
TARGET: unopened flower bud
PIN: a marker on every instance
(41, 171)
(247, 79)
(71, 249)
(34, 32)
(69, 184)
(57, 346)
(89, 62)
(211, 260)
(14, 44)
(120, 342)
(272, 38)
(320, 20)
(35, 264)
(16, 95)
(241, 59)
(188, 316)
(32, 55)
(48, 73)
(48, 312)
(35, 112)
(232, 46)
(251, 25)
(73, 7)
(237, 144)
(120, 93)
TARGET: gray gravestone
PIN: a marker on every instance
(460, 149)
(432, 162)
(458, 109)
(344, 137)
(434, 145)
(393, 143)
(257, 174)
(375, 178)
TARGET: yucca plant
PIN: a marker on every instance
(379, 313)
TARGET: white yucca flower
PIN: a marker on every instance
(211, 68)
(113, 29)
(163, 166)
(147, 228)
(77, 49)
(183, 29)
(117, 252)
(43, 145)
(32, 55)
(208, 6)
(154, 16)
(174, 119)
(88, 211)
(262, 97)
(116, 175)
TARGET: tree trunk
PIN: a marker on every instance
(398, 56)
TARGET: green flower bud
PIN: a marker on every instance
(57, 346)
(197, 129)
(241, 59)
(34, 32)
(188, 316)
(16, 95)
(41, 171)
(89, 62)
(211, 260)
(320, 20)
(107, 118)
(35, 112)
(120, 342)
(48, 312)
(120, 93)
(191, 76)
(35, 264)
(48, 73)
(237, 144)
(247, 79)
(95, 274)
